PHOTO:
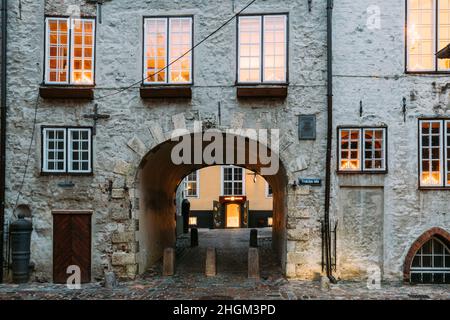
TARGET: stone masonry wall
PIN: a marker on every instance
(369, 66)
(137, 125)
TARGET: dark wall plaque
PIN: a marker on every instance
(307, 127)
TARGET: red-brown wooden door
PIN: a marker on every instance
(71, 245)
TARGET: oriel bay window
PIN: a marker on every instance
(67, 150)
(428, 31)
(166, 41)
(70, 46)
(362, 150)
(262, 49)
(434, 145)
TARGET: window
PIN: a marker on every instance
(70, 51)
(67, 150)
(191, 185)
(362, 149)
(428, 31)
(262, 53)
(269, 192)
(233, 181)
(166, 40)
(431, 264)
(434, 145)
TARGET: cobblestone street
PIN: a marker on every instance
(230, 283)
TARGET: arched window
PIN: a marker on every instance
(431, 263)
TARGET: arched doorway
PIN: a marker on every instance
(428, 260)
(158, 179)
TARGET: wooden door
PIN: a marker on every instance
(71, 245)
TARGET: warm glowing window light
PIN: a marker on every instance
(70, 51)
(262, 42)
(270, 222)
(350, 150)
(193, 221)
(362, 149)
(166, 40)
(431, 153)
(423, 34)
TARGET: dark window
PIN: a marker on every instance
(431, 264)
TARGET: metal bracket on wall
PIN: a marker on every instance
(309, 5)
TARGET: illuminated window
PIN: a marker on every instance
(161, 50)
(431, 264)
(193, 221)
(434, 153)
(362, 149)
(427, 33)
(233, 181)
(191, 185)
(66, 150)
(262, 49)
(70, 51)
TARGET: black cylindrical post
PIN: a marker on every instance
(20, 246)
(253, 238)
(185, 210)
(194, 237)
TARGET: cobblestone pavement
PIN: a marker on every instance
(230, 283)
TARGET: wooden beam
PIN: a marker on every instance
(86, 93)
(175, 92)
(279, 92)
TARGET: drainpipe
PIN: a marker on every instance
(3, 133)
(329, 140)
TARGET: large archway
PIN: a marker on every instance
(158, 178)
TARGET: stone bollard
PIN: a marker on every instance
(253, 263)
(254, 238)
(169, 262)
(325, 283)
(110, 280)
(211, 269)
(194, 237)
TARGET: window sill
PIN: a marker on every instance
(166, 92)
(431, 73)
(67, 92)
(262, 91)
(362, 172)
(434, 188)
(66, 174)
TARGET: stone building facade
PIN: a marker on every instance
(130, 193)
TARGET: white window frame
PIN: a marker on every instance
(45, 160)
(443, 160)
(67, 150)
(70, 50)
(363, 147)
(197, 189)
(168, 26)
(222, 181)
(70, 150)
(47, 50)
(362, 150)
(262, 51)
(436, 22)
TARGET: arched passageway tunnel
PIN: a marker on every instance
(158, 179)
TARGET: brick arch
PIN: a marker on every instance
(418, 244)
